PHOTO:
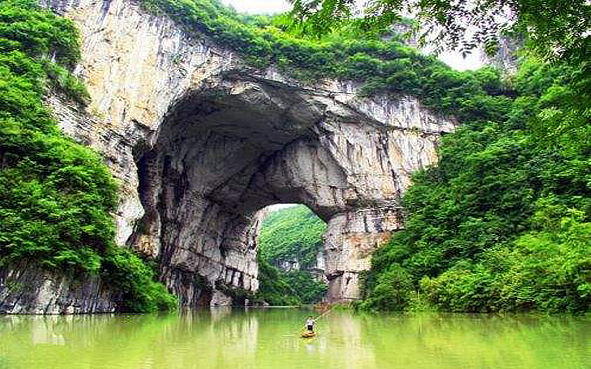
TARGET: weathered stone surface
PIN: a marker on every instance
(28, 289)
(317, 270)
(219, 299)
(201, 143)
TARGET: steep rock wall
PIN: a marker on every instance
(201, 142)
(29, 289)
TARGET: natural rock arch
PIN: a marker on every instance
(200, 142)
(227, 150)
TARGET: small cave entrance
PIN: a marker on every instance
(227, 151)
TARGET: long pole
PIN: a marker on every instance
(323, 314)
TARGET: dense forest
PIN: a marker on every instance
(501, 223)
(292, 235)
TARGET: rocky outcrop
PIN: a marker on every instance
(28, 289)
(243, 142)
(201, 142)
(316, 270)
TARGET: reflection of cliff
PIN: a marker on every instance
(147, 341)
(219, 312)
(46, 332)
(238, 335)
(42, 330)
(345, 345)
(261, 339)
(81, 341)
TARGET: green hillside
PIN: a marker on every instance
(294, 234)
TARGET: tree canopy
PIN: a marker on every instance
(555, 29)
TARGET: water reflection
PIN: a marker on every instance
(269, 338)
(480, 341)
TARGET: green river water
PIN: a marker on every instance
(269, 338)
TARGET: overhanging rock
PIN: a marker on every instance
(201, 142)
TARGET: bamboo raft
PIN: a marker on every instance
(327, 309)
(308, 334)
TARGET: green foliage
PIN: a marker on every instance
(553, 28)
(392, 291)
(481, 231)
(546, 269)
(37, 33)
(294, 234)
(562, 111)
(305, 286)
(381, 66)
(132, 275)
(289, 234)
(273, 288)
(56, 196)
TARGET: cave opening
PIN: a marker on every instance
(229, 149)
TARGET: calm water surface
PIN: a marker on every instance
(269, 338)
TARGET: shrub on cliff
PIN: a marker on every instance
(380, 66)
(307, 288)
(273, 289)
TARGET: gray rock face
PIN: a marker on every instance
(201, 143)
(244, 142)
(316, 270)
(28, 289)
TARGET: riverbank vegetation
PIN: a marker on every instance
(57, 196)
(291, 238)
(501, 223)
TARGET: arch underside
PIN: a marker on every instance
(226, 151)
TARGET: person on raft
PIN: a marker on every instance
(310, 324)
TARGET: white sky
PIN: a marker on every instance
(280, 206)
(455, 60)
(259, 6)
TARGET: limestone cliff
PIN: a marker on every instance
(317, 270)
(201, 142)
(29, 289)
